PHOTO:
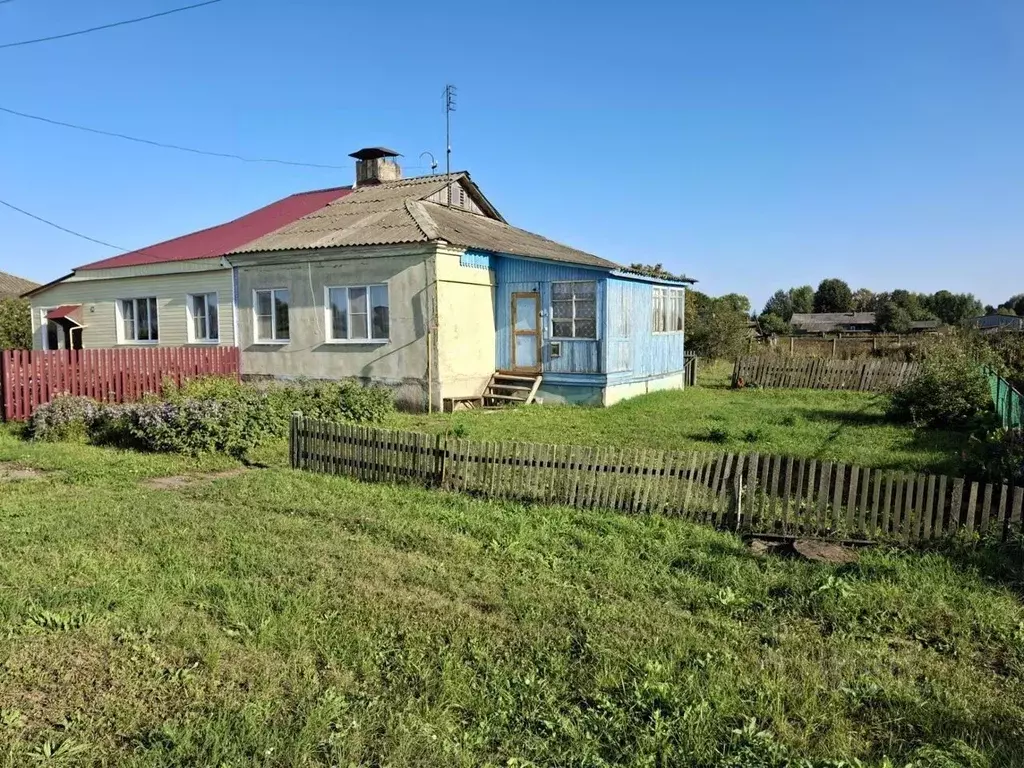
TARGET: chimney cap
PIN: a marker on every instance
(371, 153)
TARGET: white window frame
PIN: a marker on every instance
(273, 315)
(190, 317)
(668, 297)
(119, 316)
(552, 313)
(329, 319)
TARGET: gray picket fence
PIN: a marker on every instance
(749, 492)
(777, 371)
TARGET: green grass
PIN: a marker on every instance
(837, 426)
(275, 618)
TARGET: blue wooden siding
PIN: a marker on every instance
(477, 259)
(634, 351)
(514, 275)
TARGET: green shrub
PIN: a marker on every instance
(997, 455)
(208, 414)
(950, 390)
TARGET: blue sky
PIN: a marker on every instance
(751, 144)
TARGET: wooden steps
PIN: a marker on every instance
(506, 388)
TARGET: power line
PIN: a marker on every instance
(164, 145)
(107, 26)
(62, 229)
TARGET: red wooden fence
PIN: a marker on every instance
(30, 378)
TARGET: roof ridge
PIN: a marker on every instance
(422, 218)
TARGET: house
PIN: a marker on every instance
(998, 323)
(849, 322)
(833, 322)
(415, 283)
(11, 286)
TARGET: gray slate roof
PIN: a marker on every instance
(12, 287)
(822, 322)
(396, 212)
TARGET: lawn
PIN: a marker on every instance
(273, 618)
(828, 425)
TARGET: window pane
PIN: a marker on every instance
(128, 315)
(586, 289)
(561, 310)
(562, 329)
(153, 328)
(281, 315)
(561, 290)
(212, 318)
(358, 326)
(586, 307)
(525, 313)
(357, 303)
(526, 351)
(52, 335)
(357, 298)
(263, 303)
(586, 329)
(379, 311)
(199, 317)
(338, 298)
(264, 327)
(142, 313)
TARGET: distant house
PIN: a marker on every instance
(849, 322)
(11, 286)
(416, 283)
(998, 323)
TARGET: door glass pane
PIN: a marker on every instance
(526, 313)
(526, 351)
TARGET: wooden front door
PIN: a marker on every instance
(526, 331)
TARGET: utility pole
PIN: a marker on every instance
(449, 107)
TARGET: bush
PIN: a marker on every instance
(950, 390)
(208, 414)
(997, 455)
(66, 417)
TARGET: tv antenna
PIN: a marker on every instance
(449, 107)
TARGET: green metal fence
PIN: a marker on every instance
(1008, 401)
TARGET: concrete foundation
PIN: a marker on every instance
(617, 392)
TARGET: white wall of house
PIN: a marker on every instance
(101, 294)
(400, 361)
(465, 325)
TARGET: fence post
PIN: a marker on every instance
(440, 461)
(293, 440)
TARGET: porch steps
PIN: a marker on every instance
(506, 388)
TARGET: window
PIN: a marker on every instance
(574, 310)
(49, 330)
(358, 313)
(139, 320)
(668, 305)
(271, 308)
(204, 321)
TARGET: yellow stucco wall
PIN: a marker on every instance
(465, 326)
(99, 292)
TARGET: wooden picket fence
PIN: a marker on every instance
(29, 378)
(763, 494)
(773, 371)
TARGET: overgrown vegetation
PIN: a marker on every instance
(207, 414)
(15, 324)
(276, 618)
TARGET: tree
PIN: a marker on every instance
(780, 304)
(892, 318)
(1005, 311)
(772, 323)
(833, 295)
(802, 299)
(864, 300)
(953, 308)
(15, 324)
(1016, 303)
(736, 302)
(715, 328)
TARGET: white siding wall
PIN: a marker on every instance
(99, 298)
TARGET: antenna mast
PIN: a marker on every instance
(449, 107)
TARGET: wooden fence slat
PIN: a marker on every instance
(954, 522)
(939, 512)
(824, 479)
(837, 496)
(1014, 523)
(787, 484)
(986, 508)
(1003, 510)
(928, 514)
(972, 504)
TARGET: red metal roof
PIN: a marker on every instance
(217, 241)
(63, 312)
